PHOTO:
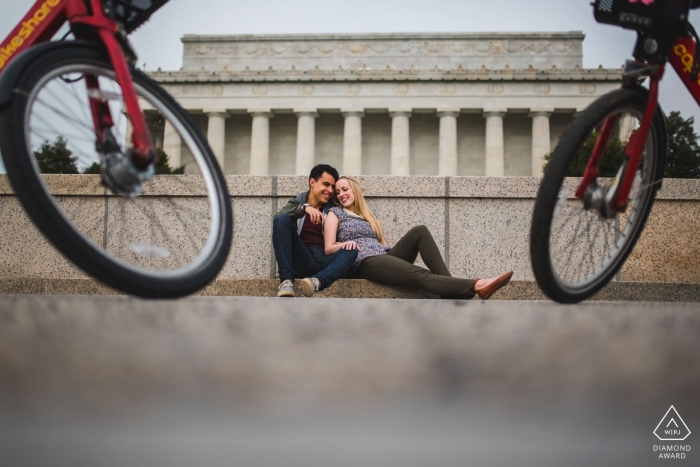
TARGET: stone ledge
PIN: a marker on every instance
(384, 186)
(374, 186)
(360, 288)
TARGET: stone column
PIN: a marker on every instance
(260, 142)
(158, 143)
(172, 145)
(447, 161)
(216, 134)
(400, 143)
(352, 142)
(627, 124)
(128, 133)
(495, 156)
(306, 140)
(540, 139)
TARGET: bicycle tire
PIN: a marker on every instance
(557, 245)
(164, 247)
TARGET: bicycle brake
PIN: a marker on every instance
(635, 72)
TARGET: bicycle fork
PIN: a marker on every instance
(614, 200)
(122, 172)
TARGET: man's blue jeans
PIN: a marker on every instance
(294, 259)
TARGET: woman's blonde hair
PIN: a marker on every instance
(362, 208)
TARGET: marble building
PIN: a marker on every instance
(382, 104)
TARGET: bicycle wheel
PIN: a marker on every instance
(576, 251)
(169, 242)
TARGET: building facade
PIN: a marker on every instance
(382, 104)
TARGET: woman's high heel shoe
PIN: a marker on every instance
(489, 286)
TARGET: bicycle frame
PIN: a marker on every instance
(681, 59)
(89, 23)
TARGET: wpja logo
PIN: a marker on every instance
(671, 428)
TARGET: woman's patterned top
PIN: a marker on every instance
(358, 230)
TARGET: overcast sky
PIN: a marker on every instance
(158, 42)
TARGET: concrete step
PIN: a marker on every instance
(360, 288)
(216, 381)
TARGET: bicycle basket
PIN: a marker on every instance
(131, 13)
(642, 15)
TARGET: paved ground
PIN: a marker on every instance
(116, 381)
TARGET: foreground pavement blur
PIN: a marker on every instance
(208, 381)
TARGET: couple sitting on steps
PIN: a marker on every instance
(329, 232)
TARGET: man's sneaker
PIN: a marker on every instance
(286, 289)
(310, 286)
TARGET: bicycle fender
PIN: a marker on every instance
(11, 73)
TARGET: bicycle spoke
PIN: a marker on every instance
(591, 259)
(88, 135)
(572, 245)
(86, 122)
(83, 109)
(67, 137)
(178, 213)
(66, 116)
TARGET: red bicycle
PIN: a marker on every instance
(80, 100)
(584, 228)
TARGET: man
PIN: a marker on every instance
(297, 236)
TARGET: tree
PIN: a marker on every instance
(162, 167)
(56, 158)
(683, 152)
(612, 157)
(93, 169)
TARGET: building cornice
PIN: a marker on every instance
(570, 35)
(387, 75)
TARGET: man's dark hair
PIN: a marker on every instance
(318, 170)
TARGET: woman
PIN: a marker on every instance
(352, 225)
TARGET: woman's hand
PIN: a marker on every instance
(347, 245)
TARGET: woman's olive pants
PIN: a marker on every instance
(397, 268)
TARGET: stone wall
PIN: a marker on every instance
(481, 225)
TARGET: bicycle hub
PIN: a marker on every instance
(595, 200)
(123, 177)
